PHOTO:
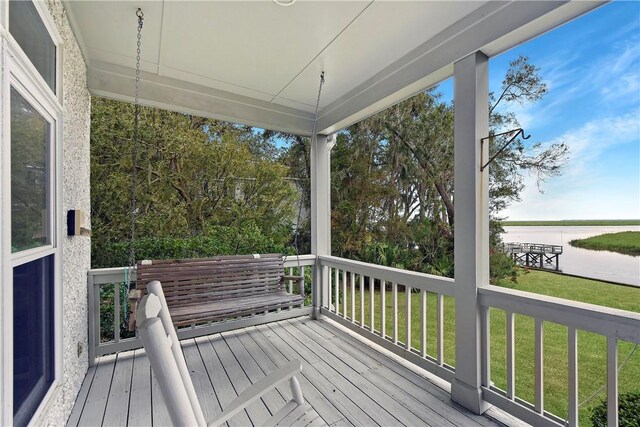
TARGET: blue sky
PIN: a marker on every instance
(592, 68)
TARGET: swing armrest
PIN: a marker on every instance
(299, 279)
(134, 297)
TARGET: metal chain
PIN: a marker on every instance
(136, 135)
(313, 137)
(315, 120)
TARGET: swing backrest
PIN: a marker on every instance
(189, 281)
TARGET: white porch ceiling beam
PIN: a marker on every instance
(113, 81)
(492, 29)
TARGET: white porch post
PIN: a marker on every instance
(471, 224)
(320, 213)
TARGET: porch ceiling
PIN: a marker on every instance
(259, 63)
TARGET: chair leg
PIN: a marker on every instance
(296, 391)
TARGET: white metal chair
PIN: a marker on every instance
(167, 361)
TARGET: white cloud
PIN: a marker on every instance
(611, 80)
(582, 190)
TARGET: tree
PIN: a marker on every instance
(392, 174)
(193, 174)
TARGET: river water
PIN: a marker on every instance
(582, 262)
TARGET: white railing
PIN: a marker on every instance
(380, 304)
(611, 323)
(107, 317)
(356, 295)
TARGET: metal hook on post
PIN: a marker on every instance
(518, 131)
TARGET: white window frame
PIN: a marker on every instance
(18, 72)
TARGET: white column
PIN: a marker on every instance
(471, 224)
(320, 213)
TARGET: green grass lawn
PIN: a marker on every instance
(575, 222)
(592, 347)
(626, 242)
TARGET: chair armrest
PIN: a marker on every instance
(257, 390)
(134, 297)
(299, 279)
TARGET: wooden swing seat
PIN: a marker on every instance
(202, 290)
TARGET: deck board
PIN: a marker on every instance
(140, 398)
(96, 403)
(346, 381)
(434, 397)
(351, 411)
(220, 381)
(200, 378)
(326, 410)
(117, 410)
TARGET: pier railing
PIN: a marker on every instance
(532, 248)
(535, 255)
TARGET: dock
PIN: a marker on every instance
(536, 255)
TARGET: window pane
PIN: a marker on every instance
(30, 198)
(26, 26)
(33, 336)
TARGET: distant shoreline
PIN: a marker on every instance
(574, 222)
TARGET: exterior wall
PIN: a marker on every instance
(76, 251)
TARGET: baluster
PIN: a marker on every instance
(116, 312)
(510, 356)
(383, 309)
(485, 325)
(440, 325)
(394, 298)
(612, 382)
(344, 294)
(423, 323)
(573, 377)
(290, 281)
(539, 365)
(326, 281)
(303, 283)
(361, 301)
(408, 323)
(372, 291)
(353, 297)
(336, 283)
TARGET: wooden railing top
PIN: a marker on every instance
(624, 325)
(422, 281)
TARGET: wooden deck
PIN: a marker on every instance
(345, 380)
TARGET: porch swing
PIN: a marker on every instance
(213, 289)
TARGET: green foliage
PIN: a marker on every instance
(626, 242)
(501, 267)
(195, 177)
(219, 240)
(628, 411)
(392, 176)
(106, 312)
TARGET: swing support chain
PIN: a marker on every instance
(132, 294)
(313, 139)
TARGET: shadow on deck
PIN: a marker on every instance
(346, 381)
